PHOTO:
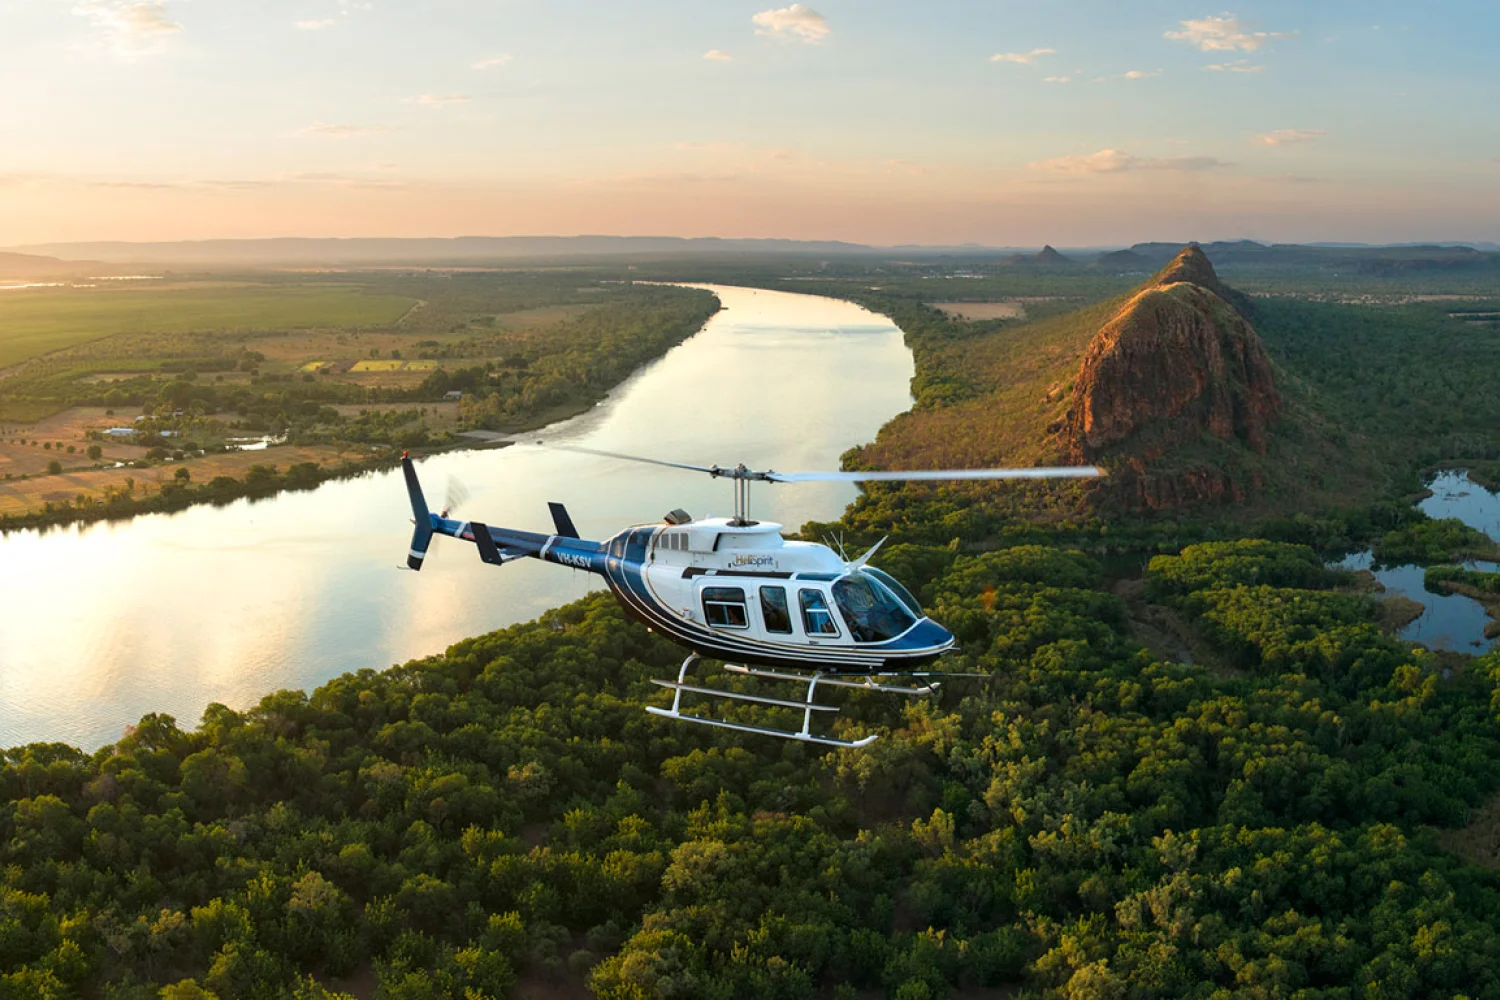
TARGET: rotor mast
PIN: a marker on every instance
(742, 477)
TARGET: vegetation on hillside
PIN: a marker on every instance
(1092, 821)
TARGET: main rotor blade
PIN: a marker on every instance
(712, 471)
(1067, 472)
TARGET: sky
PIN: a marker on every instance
(999, 122)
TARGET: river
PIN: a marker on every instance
(169, 612)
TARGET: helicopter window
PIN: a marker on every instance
(773, 609)
(872, 612)
(816, 618)
(894, 586)
(617, 547)
(725, 607)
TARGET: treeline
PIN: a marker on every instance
(128, 498)
(1090, 821)
(580, 360)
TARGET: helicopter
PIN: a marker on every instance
(737, 591)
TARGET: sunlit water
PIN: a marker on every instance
(1448, 621)
(101, 624)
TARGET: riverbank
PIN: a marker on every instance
(124, 492)
(501, 356)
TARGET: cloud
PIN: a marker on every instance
(798, 22)
(492, 62)
(1114, 161)
(438, 100)
(1234, 66)
(1133, 74)
(1289, 136)
(131, 26)
(1057, 79)
(716, 55)
(1022, 57)
(346, 7)
(340, 131)
(1224, 33)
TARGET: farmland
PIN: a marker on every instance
(104, 387)
(39, 321)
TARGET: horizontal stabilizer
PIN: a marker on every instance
(495, 555)
(562, 522)
(486, 544)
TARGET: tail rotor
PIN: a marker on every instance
(458, 495)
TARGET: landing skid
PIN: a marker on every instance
(807, 707)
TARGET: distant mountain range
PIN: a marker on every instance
(479, 250)
(457, 251)
(30, 267)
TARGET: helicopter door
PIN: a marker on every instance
(817, 617)
(775, 616)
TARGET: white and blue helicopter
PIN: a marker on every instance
(734, 590)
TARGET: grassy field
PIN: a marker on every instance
(21, 496)
(38, 322)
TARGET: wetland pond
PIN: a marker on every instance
(100, 624)
(1448, 621)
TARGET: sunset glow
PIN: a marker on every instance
(881, 123)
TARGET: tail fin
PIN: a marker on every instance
(561, 521)
(421, 538)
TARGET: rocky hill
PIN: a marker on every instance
(1177, 364)
(1168, 387)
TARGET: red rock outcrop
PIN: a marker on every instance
(1177, 362)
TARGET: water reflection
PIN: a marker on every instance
(101, 624)
(1448, 621)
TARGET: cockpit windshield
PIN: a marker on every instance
(895, 587)
(873, 612)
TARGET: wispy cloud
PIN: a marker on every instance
(797, 22)
(1224, 33)
(1132, 74)
(346, 7)
(1022, 57)
(130, 26)
(717, 55)
(1289, 136)
(1057, 79)
(437, 100)
(1115, 161)
(340, 131)
(491, 62)
(1235, 66)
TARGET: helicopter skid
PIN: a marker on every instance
(865, 684)
(784, 734)
(807, 707)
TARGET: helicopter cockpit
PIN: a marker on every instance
(874, 606)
